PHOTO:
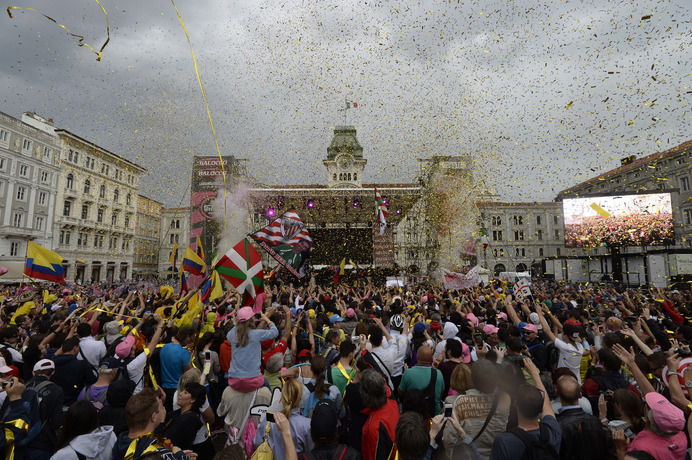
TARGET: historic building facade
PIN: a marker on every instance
(147, 238)
(175, 229)
(29, 159)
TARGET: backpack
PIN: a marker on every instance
(339, 453)
(263, 451)
(429, 392)
(552, 356)
(312, 400)
(115, 362)
(100, 402)
(536, 449)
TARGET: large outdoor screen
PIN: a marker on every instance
(623, 220)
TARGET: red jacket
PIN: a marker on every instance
(225, 353)
(386, 415)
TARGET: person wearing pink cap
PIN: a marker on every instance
(663, 436)
(245, 372)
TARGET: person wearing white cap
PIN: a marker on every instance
(50, 397)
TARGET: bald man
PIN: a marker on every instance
(425, 378)
(583, 435)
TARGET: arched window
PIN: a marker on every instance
(116, 195)
(87, 186)
(102, 192)
(355, 176)
(128, 199)
(341, 176)
(334, 176)
(70, 181)
(349, 176)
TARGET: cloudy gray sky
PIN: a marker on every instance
(543, 96)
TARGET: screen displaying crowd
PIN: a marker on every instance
(415, 372)
(629, 220)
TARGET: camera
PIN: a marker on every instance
(207, 355)
(478, 338)
(270, 417)
(448, 410)
(683, 353)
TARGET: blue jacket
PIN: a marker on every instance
(246, 361)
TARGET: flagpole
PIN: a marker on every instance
(189, 296)
(345, 109)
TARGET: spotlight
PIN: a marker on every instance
(311, 204)
(384, 201)
(356, 203)
(270, 212)
(398, 211)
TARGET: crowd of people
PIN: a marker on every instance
(417, 372)
(638, 229)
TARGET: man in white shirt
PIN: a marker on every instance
(383, 351)
(89, 348)
(399, 326)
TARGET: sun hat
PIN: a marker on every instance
(123, 349)
(245, 314)
(531, 328)
(668, 417)
(489, 329)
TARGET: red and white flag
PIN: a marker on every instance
(381, 211)
(242, 267)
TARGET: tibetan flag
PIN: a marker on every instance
(287, 240)
(43, 264)
(351, 105)
(192, 263)
(381, 211)
(212, 289)
(242, 267)
(174, 256)
(199, 250)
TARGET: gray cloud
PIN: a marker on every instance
(491, 79)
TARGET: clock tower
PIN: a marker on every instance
(345, 162)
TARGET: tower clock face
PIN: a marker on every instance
(345, 162)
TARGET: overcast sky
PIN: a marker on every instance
(543, 96)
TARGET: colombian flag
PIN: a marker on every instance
(199, 250)
(192, 263)
(212, 289)
(43, 264)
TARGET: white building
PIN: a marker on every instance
(28, 188)
(95, 223)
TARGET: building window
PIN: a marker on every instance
(87, 186)
(127, 221)
(685, 184)
(42, 198)
(518, 235)
(102, 191)
(521, 252)
(18, 220)
(355, 176)
(76, 157)
(67, 207)
(540, 252)
(557, 252)
(44, 176)
(114, 219)
(172, 239)
(557, 234)
(21, 193)
(538, 220)
(85, 211)
(128, 199)
(14, 247)
(38, 223)
(555, 220)
(497, 220)
(497, 235)
(23, 170)
(688, 216)
(26, 145)
(46, 152)
(70, 181)
(116, 195)
(4, 135)
(2, 164)
(539, 235)
(518, 220)
(104, 169)
(99, 216)
(64, 237)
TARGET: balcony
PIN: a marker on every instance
(19, 232)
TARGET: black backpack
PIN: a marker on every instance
(429, 392)
(553, 356)
(536, 449)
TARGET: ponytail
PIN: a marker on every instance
(318, 365)
(291, 394)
